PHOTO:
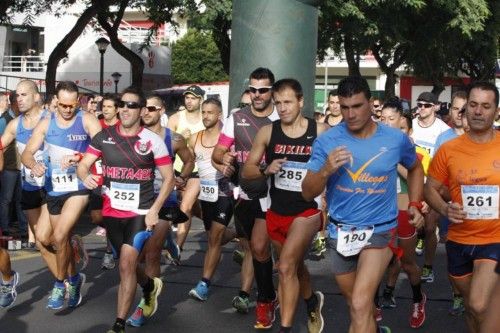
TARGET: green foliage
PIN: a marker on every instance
(195, 58)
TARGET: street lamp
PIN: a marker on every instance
(116, 77)
(102, 43)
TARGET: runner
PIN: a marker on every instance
(10, 278)
(492, 320)
(110, 118)
(170, 211)
(291, 221)
(392, 115)
(468, 165)
(216, 194)
(65, 135)
(187, 122)
(33, 192)
(240, 129)
(356, 161)
(130, 154)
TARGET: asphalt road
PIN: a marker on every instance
(179, 313)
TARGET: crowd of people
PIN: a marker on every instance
(367, 180)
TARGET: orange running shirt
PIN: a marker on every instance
(473, 172)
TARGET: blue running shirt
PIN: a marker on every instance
(363, 192)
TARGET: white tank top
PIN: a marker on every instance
(183, 125)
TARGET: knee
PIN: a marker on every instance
(152, 255)
(477, 307)
(42, 239)
(60, 238)
(287, 268)
(361, 305)
(260, 250)
(127, 265)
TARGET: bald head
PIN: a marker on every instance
(4, 103)
(27, 95)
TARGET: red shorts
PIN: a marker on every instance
(278, 225)
(405, 229)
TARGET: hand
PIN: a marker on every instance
(338, 157)
(425, 208)
(151, 219)
(274, 167)
(455, 213)
(228, 158)
(91, 181)
(38, 170)
(180, 182)
(228, 170)
(416, 218)
(186, 134)
(69, 161)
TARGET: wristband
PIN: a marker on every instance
(418, 205)
(80, 156)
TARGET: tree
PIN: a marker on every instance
(195, 58)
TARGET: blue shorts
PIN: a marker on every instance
(461, 257)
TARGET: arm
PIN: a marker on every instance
(83, 171)
(173, 121)
(251, 168)
(9, 135)
(91, 124)
(415, 192)
(186, 155)
(34, 144)
(167, 173)
(314, 183)
(402, 171)
(453, 210)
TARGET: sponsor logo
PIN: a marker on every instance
(77, 137)
(365, 177)
(109, 141)
(243, 123)
(143, 148)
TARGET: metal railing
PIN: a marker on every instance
(133, 34)
(32, 63)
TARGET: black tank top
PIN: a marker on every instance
(286, 185)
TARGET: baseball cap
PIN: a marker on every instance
(428, 97)
(195, 90)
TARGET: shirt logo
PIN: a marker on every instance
(243, 123)
(366, 177)
(109, 141)
(77, 137)
(143, 148)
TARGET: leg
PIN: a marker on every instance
(153, 247)
(189, 197)
(128, 280)
(8, 181)
(40, 220)
(5, 267)
(212, 257)
(431, 220)
(492, 320)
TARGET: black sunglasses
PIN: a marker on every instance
(261, 90)
(129, 105)
(242, 105)
(424, 105)
(153, 108)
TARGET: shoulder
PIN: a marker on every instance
(322, 127)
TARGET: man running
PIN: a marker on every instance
(357, 163)
(291, 221)
(170, 211)
(130, 155)
(240, 129)
(216, 194)
(65, 135)
(468, 164)
(187, 122)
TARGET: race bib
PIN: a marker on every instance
(352, 239)
(124, 196)
(64, 180)
(481, 202)
(290, 177)
(209, 190)
(31, 179)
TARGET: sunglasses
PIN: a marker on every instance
(261, 90)
(242, 105)
(153, 108)
(424, 105)
(66, 106)
(129, 105)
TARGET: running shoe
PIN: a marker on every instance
(265, 313)
(151, 299)
(427, 275)
(315, 322)
(384, 329)
(241, 304)
(417, 318)
(457, 308)
(173, 253)
(74, 291)
(56, 299)
(79, 252)
(238, 256)
(8, 293)
(137, 318)
(29, 246)
(419, 249)
(388, 300)
(108, 262)
(116, 329)
(200, 292)
(319, 246)
(378, 314)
